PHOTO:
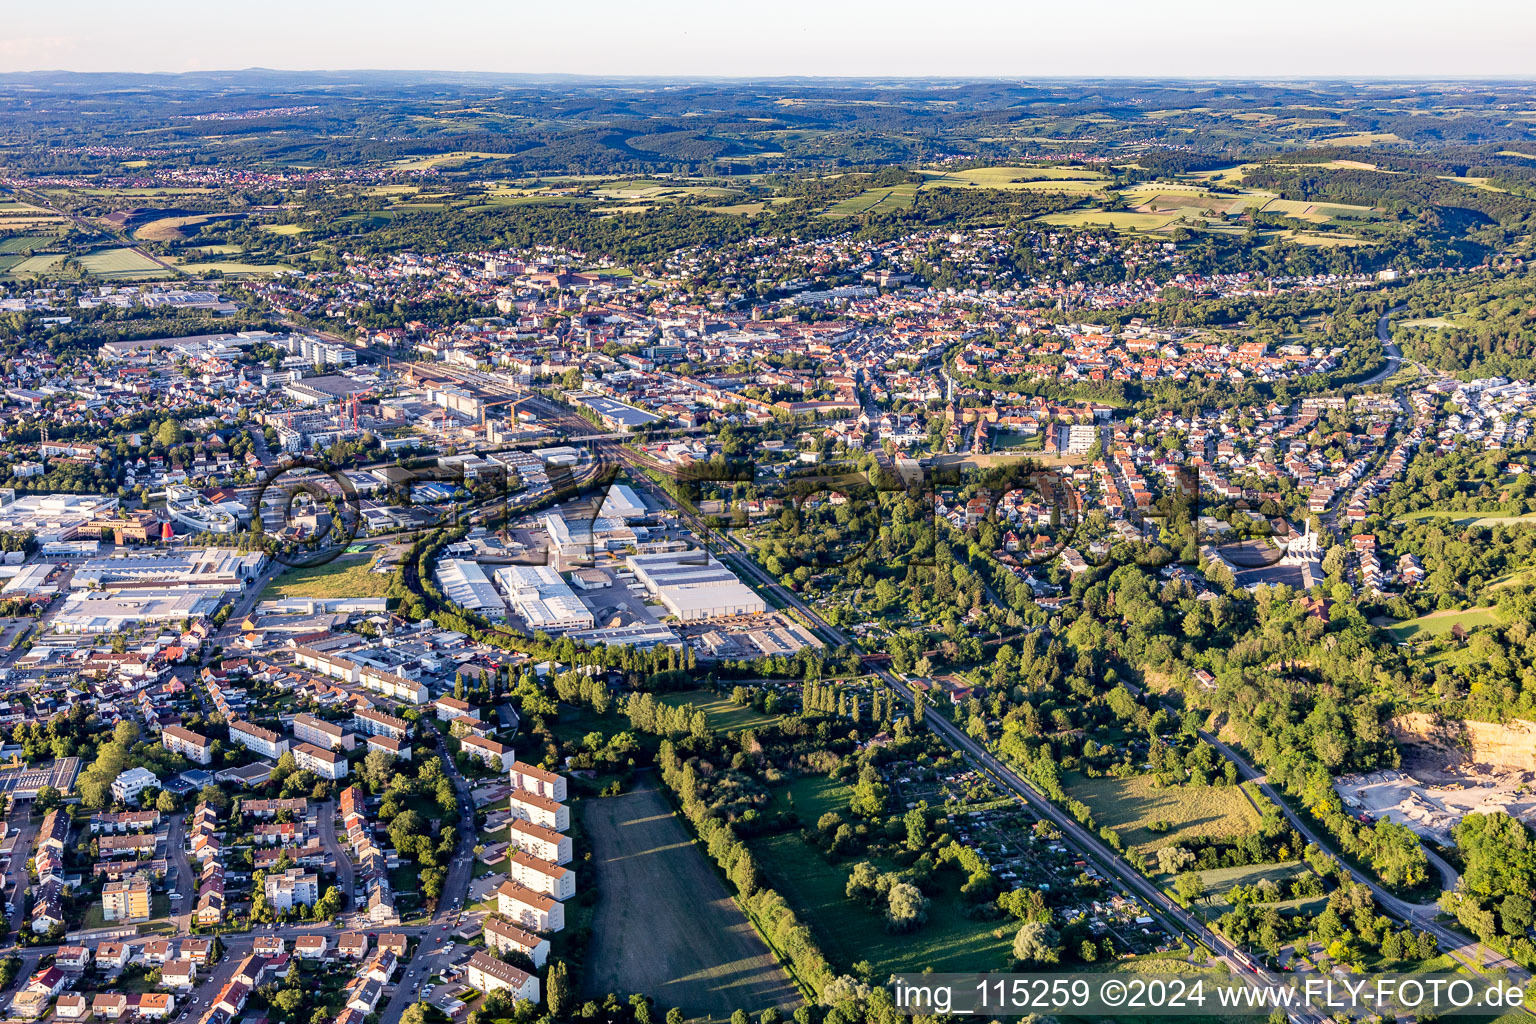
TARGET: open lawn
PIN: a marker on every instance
(666, 925)
(1441, 623)
(1131, 805)
(723, 715)
(347, 576)
(1469, 518)
(848, 932)
(119, 263)
(284, 229)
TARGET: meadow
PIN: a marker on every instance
(1130, 806)
(347, 576)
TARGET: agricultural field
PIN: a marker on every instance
(669, 928)
(179, 228)
(1051, 179)
(24, 243)
(1131, 806)
(119, 264)
(235, 269)
(347, 576)
(1120, 220)
(46, 264)
(875, 200)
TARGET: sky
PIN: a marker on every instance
(973, 38)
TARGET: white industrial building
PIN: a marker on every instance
(464, 583)
(89, 611)
(694, 585)
(543, 599)
(622, 502)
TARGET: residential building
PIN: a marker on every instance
(128, 900)
(253, 737)
(527, 908)
(541, 842)
(325, 763)
(191, 745)
(129, 784)
(489, 974)
(293, 887)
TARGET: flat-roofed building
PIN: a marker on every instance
(128, 900)
(464, 583)
(543, 599)
(694, 585)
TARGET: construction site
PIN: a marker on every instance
(1450, 769)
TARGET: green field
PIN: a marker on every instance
(1130, 805)
(875, 200)
(21, 243)
(1050, 179)
(235, 269)
(1437, 624)
(284, 229)
(847, 931)
(667, 924)
(347, 576)
(1468, 518)
(119, 263)
(38, 265)
(1120, 220)
(723, 715)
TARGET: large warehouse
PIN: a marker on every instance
(543, 598)
(693, 585)
(464, 583)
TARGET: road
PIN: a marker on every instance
(1394, 354)
(186, 878)
(430, 954)
(345, 876)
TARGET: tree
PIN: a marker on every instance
(165, 803)
(907, 908)
(378, 766)
(1036, 943)
(286, 766)
(329, 904)
(1189, 886)
(47, 799)
(558, 990)
(125, 733)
